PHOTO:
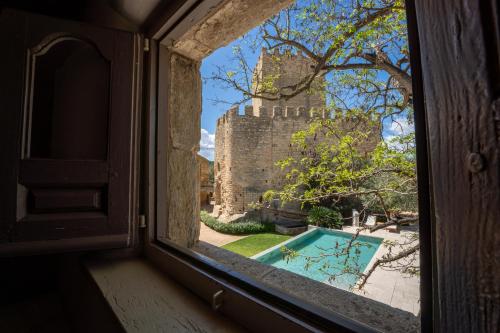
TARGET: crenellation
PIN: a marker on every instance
(277, 111)
(302, 112)
(314, 113)
(233, 112)
(249, 110)
(263, 112)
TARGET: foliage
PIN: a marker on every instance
(254, 244)
(358, 50)
(325, 217)
(359, 57)
(211, 172)
(382, 176)
(236, 228)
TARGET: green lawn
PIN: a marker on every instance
(254, 244)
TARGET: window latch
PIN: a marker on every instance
(217, 300)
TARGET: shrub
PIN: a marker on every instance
(236, 228)
(325, 217)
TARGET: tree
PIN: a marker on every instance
(383, 179)
(360, 47)
(358, 50)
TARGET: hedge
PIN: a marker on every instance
(325, 217)
(236, 228)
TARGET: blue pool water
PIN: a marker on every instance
(319, 245)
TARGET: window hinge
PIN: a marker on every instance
(146, 44)
(142, 221)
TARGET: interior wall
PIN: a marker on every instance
(101, 13)
(25, 277)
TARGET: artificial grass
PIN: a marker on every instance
(254, 244)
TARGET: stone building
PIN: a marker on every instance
(248, 145)
(285, 70)
(206, 185)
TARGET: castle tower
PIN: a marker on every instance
(286, 69)
(248, 145)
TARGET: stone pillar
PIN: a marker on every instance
(249, 110)
(277, 111)
(263, 112)
(183, 177)
(290, 111)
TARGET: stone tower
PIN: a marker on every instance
(248, 146)
(285, 70)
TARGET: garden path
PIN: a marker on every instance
(216, 238)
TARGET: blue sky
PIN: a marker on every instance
(210, 90)
(211, 111)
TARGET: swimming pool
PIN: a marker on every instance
(316, 259)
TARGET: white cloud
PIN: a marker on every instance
(207, 144)
(401, 126)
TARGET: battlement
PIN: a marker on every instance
(286, 69)
(275, 53)
(276, 112)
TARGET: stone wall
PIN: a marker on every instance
(182, 209)
(285, 69)
(206, 186)
(247, 147)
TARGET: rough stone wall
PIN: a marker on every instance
(182, 209)
(204, 170)
(247, 148)
(206, 186)
(285, 70)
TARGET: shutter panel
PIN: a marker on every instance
(66, 125)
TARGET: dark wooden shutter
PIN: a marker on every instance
(460, 43)
(65, 130)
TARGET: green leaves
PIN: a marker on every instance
(325, 217)
(350, 160)
(235, 228)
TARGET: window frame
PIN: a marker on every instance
(205, 276)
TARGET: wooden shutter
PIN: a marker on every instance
(460, 43)
(65, 127)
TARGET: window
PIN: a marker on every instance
(180, 65)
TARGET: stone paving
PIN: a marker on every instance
(391, 287)
(216, 238)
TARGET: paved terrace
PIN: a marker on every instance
(391, 287)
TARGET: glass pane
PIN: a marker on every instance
(314, 170)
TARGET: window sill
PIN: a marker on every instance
(369, 312)
(145, 300)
